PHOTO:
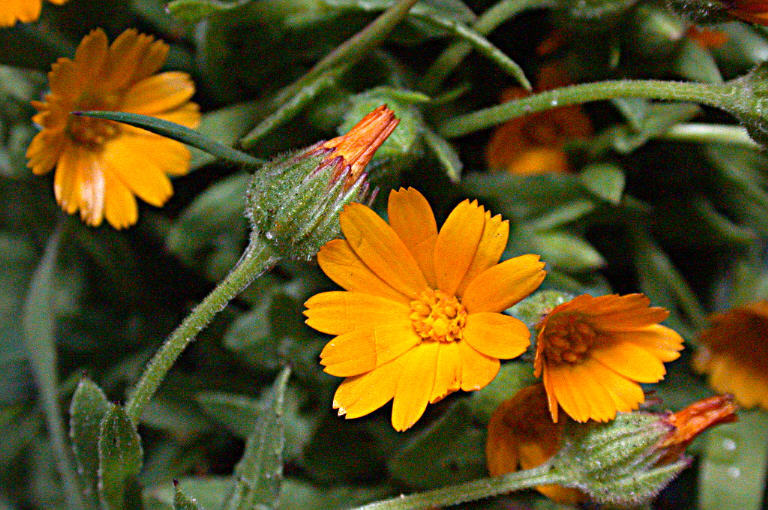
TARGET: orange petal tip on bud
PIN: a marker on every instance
(357, 147)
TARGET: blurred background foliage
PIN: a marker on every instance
(683, 220)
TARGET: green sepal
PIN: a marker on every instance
(88, 408)
(120, 460)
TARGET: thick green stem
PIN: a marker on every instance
(485, 24)
(471, 491)
(257, 259)
(717, 95)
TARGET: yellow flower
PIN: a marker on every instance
(101, 165)
(534, 144)
(421, 315)
(593, 352)
(734, 352)
(12, 11)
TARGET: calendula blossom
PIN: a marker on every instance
(421, 315)
(733, 352)
(25, 11)
(593, 351)
(100, 165)
(752, 11)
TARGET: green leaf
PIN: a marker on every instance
(120, 459)
(193, 11)
(445, 154)
(696, 63)
(176, 132)
(733, 464)
(258, 475)
(226, 126)
(657, 121)
(604, 180)
(89, 406)
(182, 501)
(512, 377)
(566, 251)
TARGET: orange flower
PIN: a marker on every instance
(734, 352)
(100, 164)
(534, 143)
(752, 11)
(421, 315)
(706, 37)
(520, 433)
(593, 352)
(12, 11)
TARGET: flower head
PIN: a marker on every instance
(534, 143)
(593, 351)
(100, 165)
(25, 11)
(734, 353)
(752, 11)
(421, 315)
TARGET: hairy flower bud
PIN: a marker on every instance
(293, 202)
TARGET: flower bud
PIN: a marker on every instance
(749, 102)
(293, 202)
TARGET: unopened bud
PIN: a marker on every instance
(293, 202)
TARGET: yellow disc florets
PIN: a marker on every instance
(567, 338)
(438, 316)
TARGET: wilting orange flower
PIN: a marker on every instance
(421, 315)
(734, 352)
(593, 351)
(520, 433)
(752, 11)
(12, 11)
(534, 143)
(101, 165)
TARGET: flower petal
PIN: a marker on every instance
(566, 392)
(92, 189)
(363, 394)
(379, 247)
(477, 369)
(343, 266)
(339, 312)
(120, 207)
(489, 249)
(159, 93)
(90, 56)
(136, 169)
(616, 313)
(456, 245)
(67, 179)
(415, 385)
(448, 375)
(627, 395)
(504, 284)
(502, 445)
(600, 401)
(411, 218)
(661, 341)
(629, 360)
(497, 335)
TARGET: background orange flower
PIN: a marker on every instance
(12, 11)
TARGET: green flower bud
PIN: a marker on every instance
(293, 202)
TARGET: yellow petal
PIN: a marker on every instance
(627, 395)
(339, 312)
(159, 93)
(379, 247)
(496, 335)
(340, 264)
(489, 249)
(662, 342)
(411, 218)
(414, 386)
(119, 203)
(67, 179)
(136, 169)
(44, 152)
(92, 190)
(90, 57)
(629, 360)
(363, 394)
(504, 284)
(448, 375)
(477, 369)
(21, 10)
(456, 245)
(501, 446)
(567, 394)
(596, 396)
(549, 386)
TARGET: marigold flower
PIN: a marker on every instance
(101, 165)
(521, 434)
(12, 11)
(706, 37)
(421, 315)
(752, 11)
(534, 143)
(593, 351)
(734, 353)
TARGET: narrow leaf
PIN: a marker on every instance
(182, 501)
(605, 181)
(258, 475)
(176, 132)
(193, 11)
(444, 153)
(89, 405)
(120, 459)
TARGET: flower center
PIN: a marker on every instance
(567, 338)
(89, 132)
(438, 316)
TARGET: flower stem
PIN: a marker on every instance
(717, 95)
(485, 24)
(257, 259)
(695, 132)
(471, 491)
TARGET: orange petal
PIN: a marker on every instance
(134, 166)
(340, 264)
(549, 386)
(504, 284)
(631, 361)
(448, 375)
(568, 393)
(477, 369)
(457, 243)
(661, 341)
(501, 446)
(489, 249)
(21, 10)
(379, 247)
(67, 179)
(92, 190)
(44, 152)
(601, 405)
(90, 57)
(339, 312)
(411, 218)
(496, 335)
(415, 385)
(119, 203)
(159, 93)
(363, 394)
(626, 394)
